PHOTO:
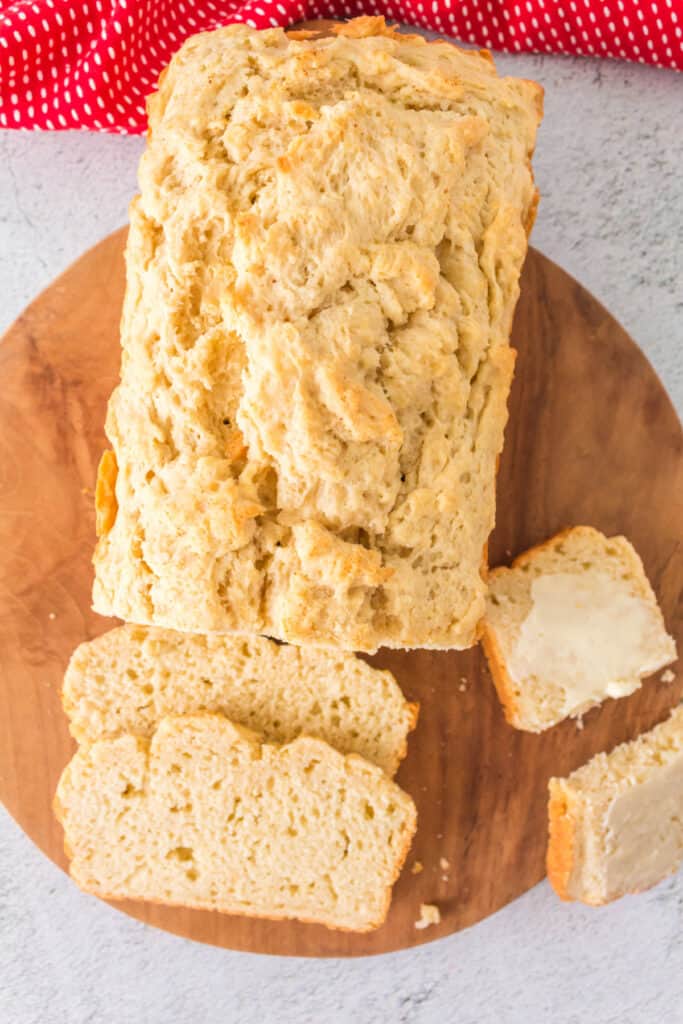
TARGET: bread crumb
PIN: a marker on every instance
(462, 687)
(52, 615)
(417, 867)
(429, 914)
(667, 677)
(579, 723)
(444, 864)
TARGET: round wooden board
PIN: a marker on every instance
(592, 439)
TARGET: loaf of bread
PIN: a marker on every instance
(322, 269)
(205, 815)
(573, 621)
(131, 677)
(616, 825)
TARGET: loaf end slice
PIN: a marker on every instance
(574, 621)
(131, 677)
(205, 815)
(615, 825)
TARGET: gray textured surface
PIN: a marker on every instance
(608, 165)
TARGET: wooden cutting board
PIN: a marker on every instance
(592, 439)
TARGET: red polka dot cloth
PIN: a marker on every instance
(89, 64)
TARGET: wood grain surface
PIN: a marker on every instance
(592, 439)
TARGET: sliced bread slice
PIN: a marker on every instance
(129, 678)
(573, 621)
(616, 824)
(205, 815)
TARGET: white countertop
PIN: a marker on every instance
(609, 168)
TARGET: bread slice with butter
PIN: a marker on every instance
(616, 825)
(130, 677)
(574, 621)
(203, 814)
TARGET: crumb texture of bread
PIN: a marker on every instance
(429, 915)
(574, 621)
(615, 824)
(205, 815)
(131, 677)
(322, 269)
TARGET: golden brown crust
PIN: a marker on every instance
(531, 553)
(560, 857)
(235, 448)
(365, 26)
(106, 505)
(501, 679)
(305, 33)
(531, 212)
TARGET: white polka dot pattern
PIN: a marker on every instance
(89, 64)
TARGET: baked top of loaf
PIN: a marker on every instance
(322, 269)
(131, 677)
(615, 824)
(204, 815)
(574, 621)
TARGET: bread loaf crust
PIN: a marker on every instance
(316, 326)
(501, 679)
(560, 858)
